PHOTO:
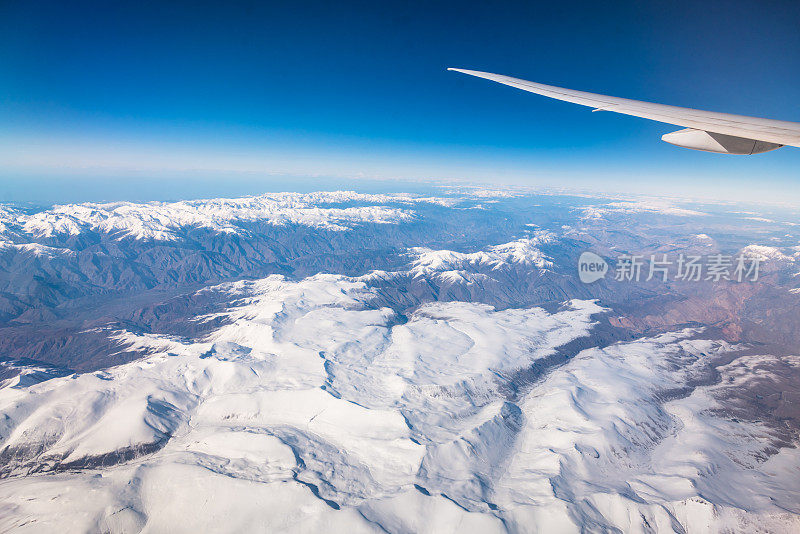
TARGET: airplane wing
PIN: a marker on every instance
(704, 130)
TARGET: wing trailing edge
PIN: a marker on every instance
(704, 130)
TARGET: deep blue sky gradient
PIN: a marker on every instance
(101, 93)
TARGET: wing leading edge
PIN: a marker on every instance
(704, 130)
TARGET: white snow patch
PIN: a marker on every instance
(522, 251)
(638, 207)
(766, 253)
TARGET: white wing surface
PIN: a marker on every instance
(705, 130)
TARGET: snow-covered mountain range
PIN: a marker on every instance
(393, 363)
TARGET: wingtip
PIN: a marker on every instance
(467, 71)
(462, 71)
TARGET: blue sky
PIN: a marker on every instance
(107, 100)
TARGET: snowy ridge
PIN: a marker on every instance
(624, 459)
(450, 268)
(164, 220)
(658, 207)
(35, 249)
(483, 193)
(765, 253)
(522, 252)
(447, 268)
(7, 215)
